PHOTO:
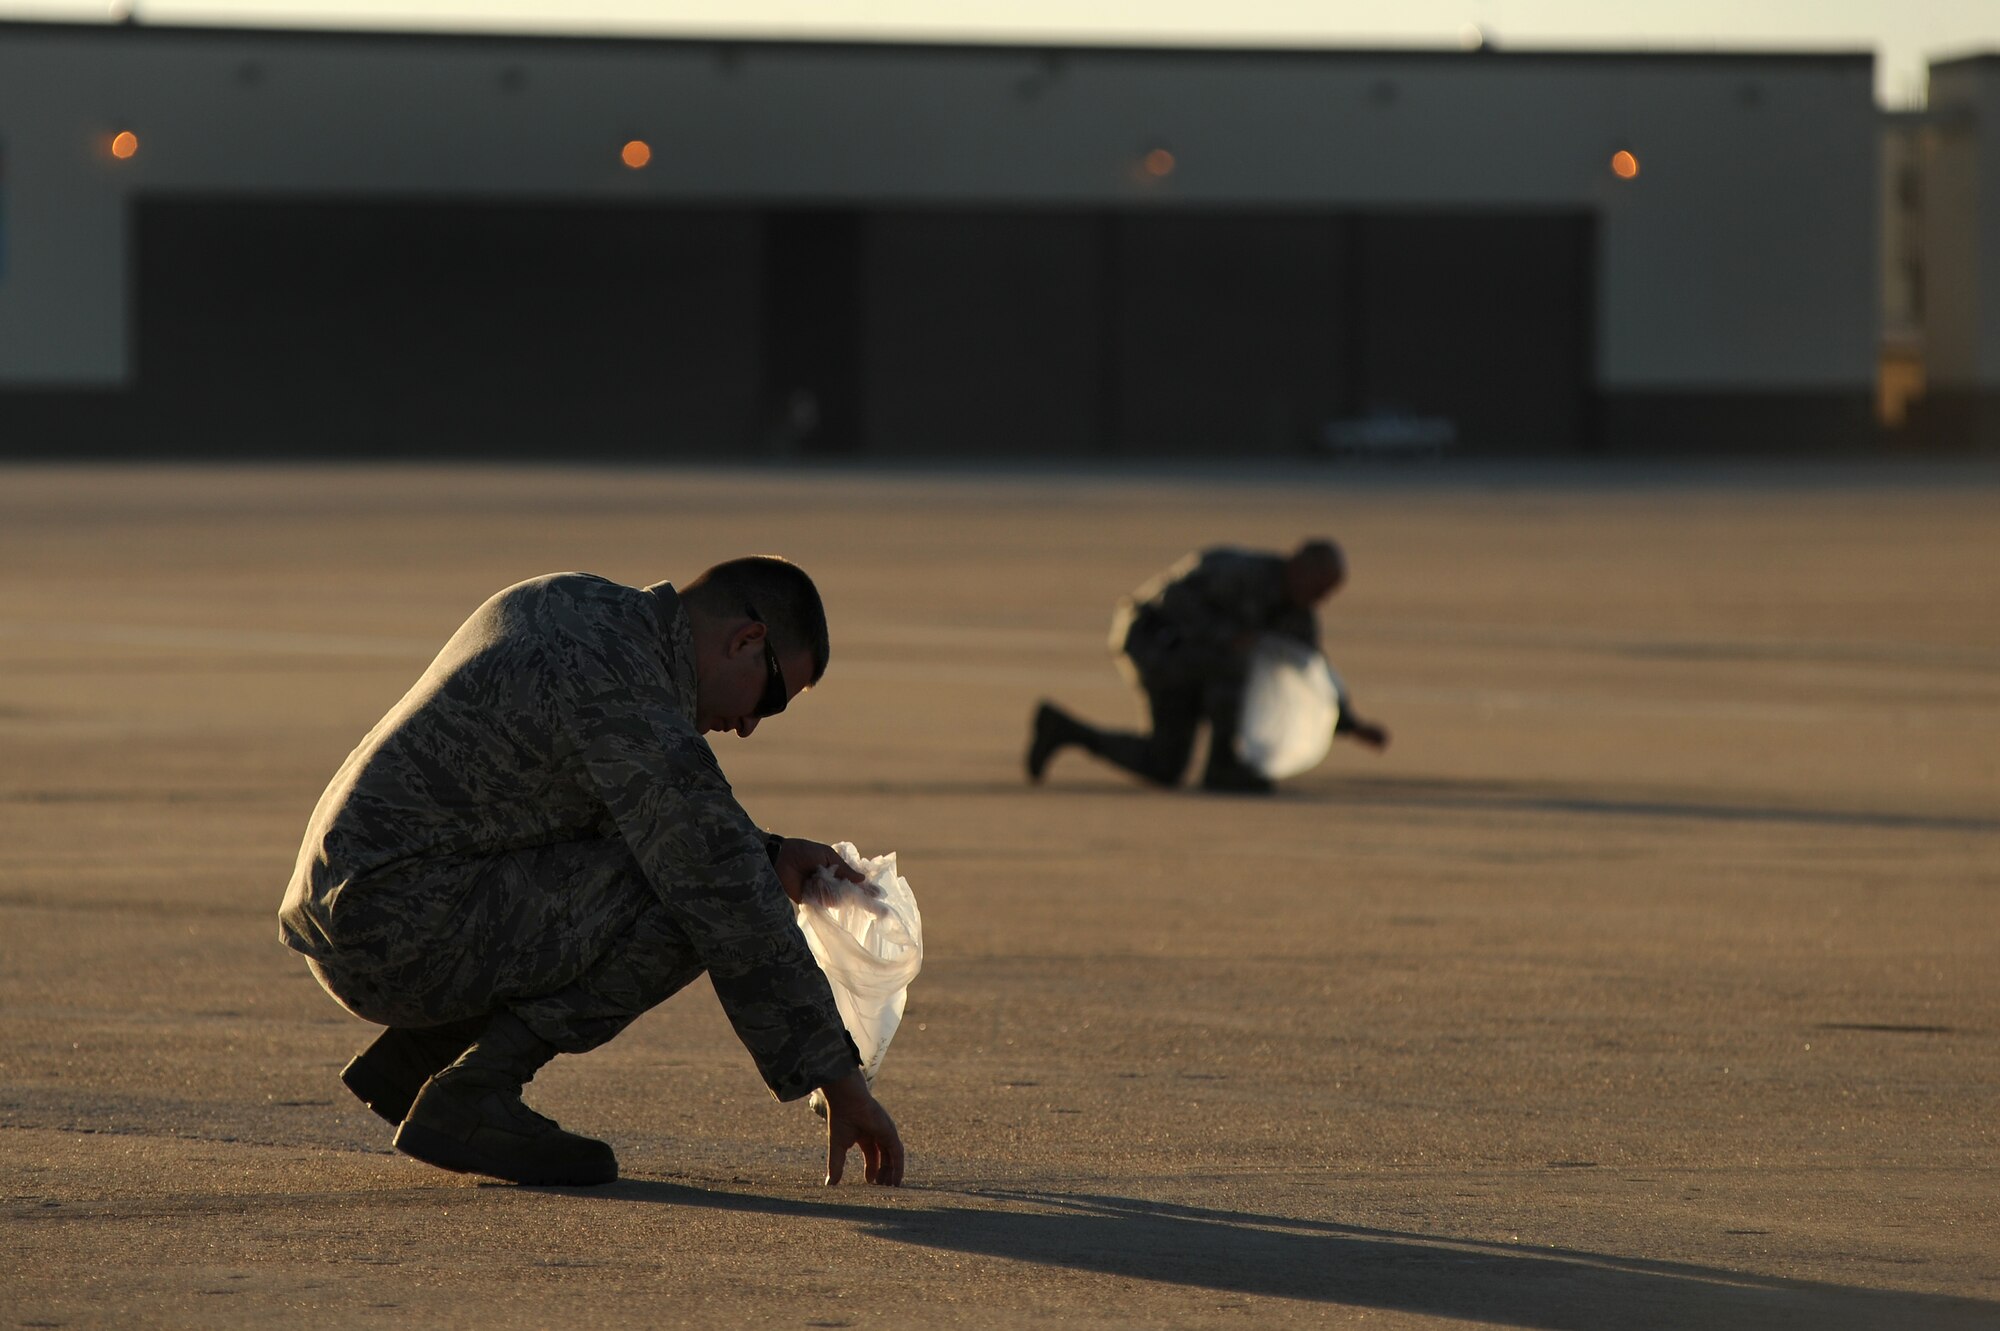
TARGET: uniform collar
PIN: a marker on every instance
(676, 642)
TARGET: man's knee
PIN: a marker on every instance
(653, 964)
(1164, 765)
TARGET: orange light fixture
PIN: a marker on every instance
(1624, 165)
(1158, 163)
(636, 153)
(124, 144)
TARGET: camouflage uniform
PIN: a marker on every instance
(538, 826)
(1185, 622)
(1177, 637)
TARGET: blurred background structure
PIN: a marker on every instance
(1941, 344)
(268, 243)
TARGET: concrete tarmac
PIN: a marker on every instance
(1650, 979)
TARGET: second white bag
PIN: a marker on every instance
(1291, 703)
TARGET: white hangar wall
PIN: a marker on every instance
(1738, 267)
(1960, 171)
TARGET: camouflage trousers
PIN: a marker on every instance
(1180, 694)
(570, 938)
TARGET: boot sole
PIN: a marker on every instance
(435, 1148)
(1042, 744)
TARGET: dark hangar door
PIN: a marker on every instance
(413, 328)
(984, 333)
(1485, 319)
(422, 328)
(1222, 332)
(1232, 331)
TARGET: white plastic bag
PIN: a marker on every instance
(1290, 707)
(870, 947)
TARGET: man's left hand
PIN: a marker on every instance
(799, 860)
(1367, 732)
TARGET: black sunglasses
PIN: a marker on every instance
(776, 695)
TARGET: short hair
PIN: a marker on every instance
(780, 593)
(1320, 553)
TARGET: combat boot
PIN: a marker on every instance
(387, 1075)
(469, 1117)
(1053, 729)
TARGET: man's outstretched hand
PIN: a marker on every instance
(1374, 736)
(799, 859)
(855, 1118)
(1367, 732)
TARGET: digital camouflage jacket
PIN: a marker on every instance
(1186, 619)
(563, 711)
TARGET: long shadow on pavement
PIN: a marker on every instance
(1521, 797)
(1322, 1262)
(1457, 795)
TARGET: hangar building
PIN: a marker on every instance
(287, 243)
